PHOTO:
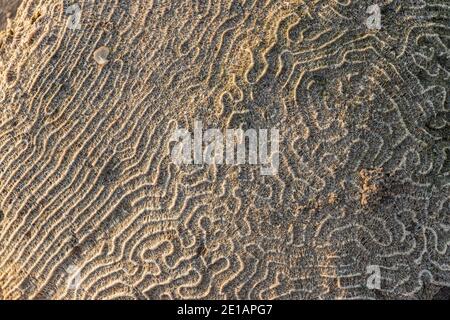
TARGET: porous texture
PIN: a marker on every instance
(87, 182)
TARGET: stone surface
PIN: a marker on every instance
(7, 10)
(93, 207)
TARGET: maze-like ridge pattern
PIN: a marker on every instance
(86, 178)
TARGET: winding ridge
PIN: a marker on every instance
(87, 182)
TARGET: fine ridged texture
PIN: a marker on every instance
(87, 182)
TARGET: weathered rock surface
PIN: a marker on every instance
(92, 207)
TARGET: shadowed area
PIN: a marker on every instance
(7, 10)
